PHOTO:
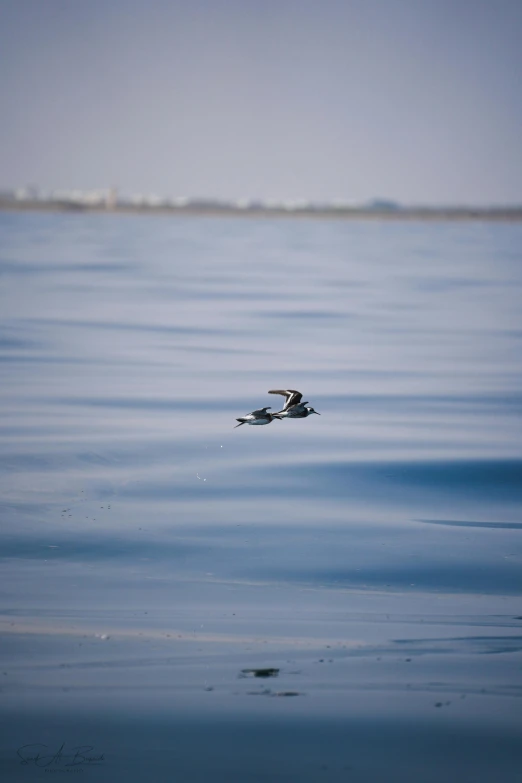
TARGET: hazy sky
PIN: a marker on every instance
(417, 100)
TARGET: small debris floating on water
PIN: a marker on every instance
(259, 672)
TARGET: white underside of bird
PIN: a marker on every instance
(295, 412)
(258, 417)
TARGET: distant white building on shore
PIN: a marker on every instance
(111, 199)
(27, 193)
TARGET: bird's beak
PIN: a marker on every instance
(317, 413)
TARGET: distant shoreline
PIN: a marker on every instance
(500, 214)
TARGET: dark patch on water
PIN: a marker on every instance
(427, 482)
(130, 327)
(438, 285)
(259, 672)
(152, 403)
(79, 547)
(306, 315)
(58, 360)
(499, 479)
(445, 576)
(24, 268)
(426, 402)
(462, 523)
(478, 645)
(269, 692)
(10, 342)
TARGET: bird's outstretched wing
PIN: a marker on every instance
(260, 411)
(292, 396)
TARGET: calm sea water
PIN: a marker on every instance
(154, 558)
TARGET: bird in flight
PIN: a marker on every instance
(261, 416)
(292, 409)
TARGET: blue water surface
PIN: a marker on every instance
(151, 553)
